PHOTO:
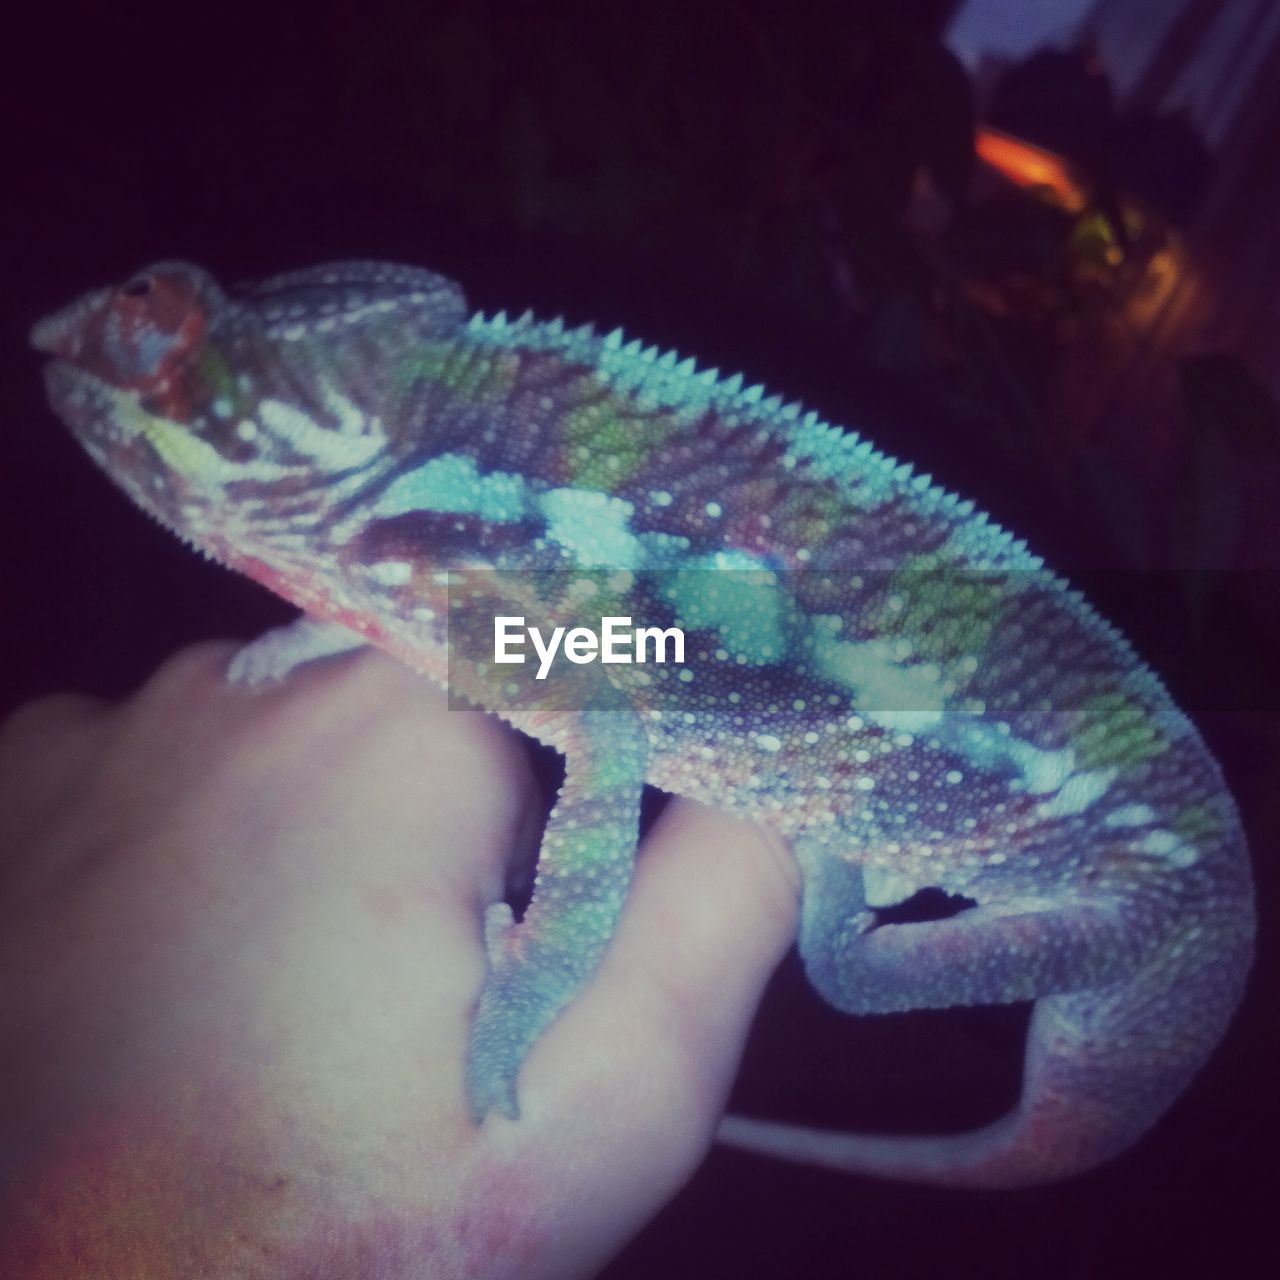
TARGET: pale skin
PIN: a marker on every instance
(240, 940)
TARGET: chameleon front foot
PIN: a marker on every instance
(273, 656)
(538, 966)
(524, 989)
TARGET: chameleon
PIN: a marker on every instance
(875, 670)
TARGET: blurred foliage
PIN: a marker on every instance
(1063, 100)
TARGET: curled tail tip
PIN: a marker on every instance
(993, 1158)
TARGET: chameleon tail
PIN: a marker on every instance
(1101, 1067)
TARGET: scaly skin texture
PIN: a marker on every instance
(872, 668)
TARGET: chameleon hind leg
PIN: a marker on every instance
(1120, 1023)
(537, 966)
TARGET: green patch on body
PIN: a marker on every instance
(1117, 731)
(1197, 825)
(216, 374)
(947, 611)
(608, 440)
(810, 524)
(472, 375)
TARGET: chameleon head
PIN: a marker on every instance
(137, 373)
(136, 335)
(219, 413)
(125, 345)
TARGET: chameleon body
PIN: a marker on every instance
(875, 670)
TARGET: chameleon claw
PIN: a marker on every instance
(498, 919)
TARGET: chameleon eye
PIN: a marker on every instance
(138, 287)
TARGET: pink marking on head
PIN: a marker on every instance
(132, 337)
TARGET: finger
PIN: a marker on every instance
(711, 912)
(46, 747)
(360, 740)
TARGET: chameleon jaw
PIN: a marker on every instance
(107, 420)
(111, 422)
(88, 403)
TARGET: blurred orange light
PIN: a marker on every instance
(1031, 167)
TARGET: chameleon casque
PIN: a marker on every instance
(876, 671)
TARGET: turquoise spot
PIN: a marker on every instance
(593, 527)
(452, 482)
(733, 595)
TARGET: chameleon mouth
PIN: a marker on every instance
(62, 333)
(148, 453)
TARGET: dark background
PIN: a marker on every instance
(787, 190)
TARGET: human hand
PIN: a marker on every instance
(240, 942)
